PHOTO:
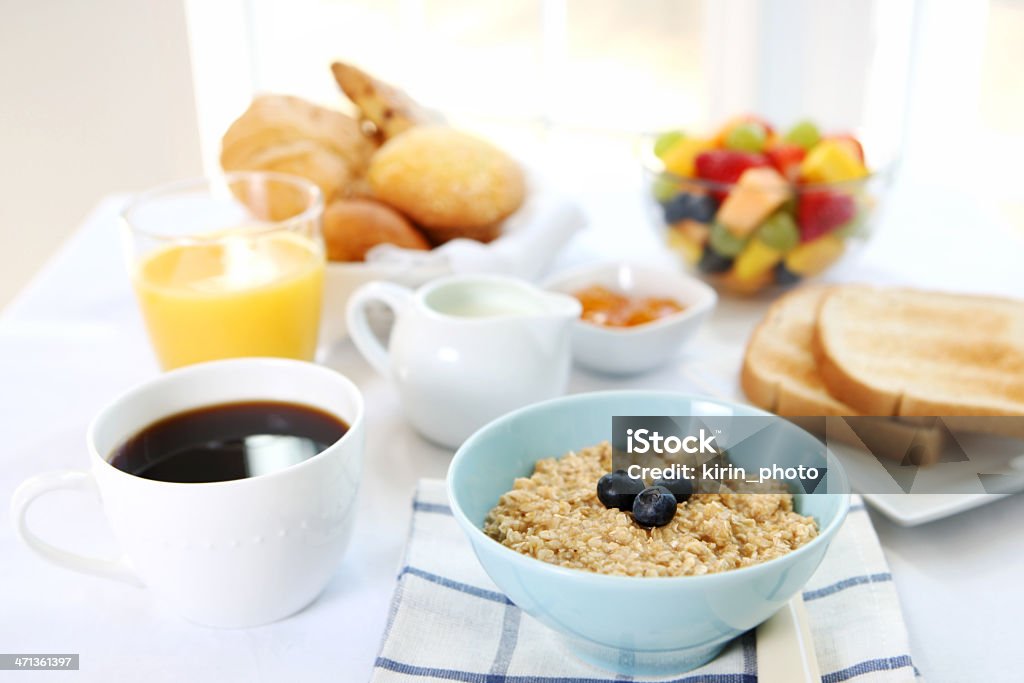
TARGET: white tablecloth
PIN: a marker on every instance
(73, 340)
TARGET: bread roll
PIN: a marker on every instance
(450, 183)
(354, 226)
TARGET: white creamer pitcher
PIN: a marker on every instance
(465, 349)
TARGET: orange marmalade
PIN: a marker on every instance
(603, 306)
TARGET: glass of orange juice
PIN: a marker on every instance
(228, 266)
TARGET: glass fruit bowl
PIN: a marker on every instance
(752, 210)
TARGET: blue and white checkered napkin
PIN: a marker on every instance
(448, 622)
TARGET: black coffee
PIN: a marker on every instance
(228, 441)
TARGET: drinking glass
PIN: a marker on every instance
(228, 266)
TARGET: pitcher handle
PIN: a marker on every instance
(391, 295)
(74, 480)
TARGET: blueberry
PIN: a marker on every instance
(704, 208)
(713, 262)
(618, 489)
(784, 276)
(695, 207)
(654, 506)
(682, 489)
(676, 208)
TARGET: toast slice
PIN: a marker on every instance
(780, 372)
(913, 353)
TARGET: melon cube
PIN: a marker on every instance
(757, 194)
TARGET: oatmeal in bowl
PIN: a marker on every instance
(555, 515)
(524, 491)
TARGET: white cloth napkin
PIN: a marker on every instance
(529, 240)
(448, 622)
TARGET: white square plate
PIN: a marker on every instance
(995, 456)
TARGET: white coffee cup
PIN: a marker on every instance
(232, 553)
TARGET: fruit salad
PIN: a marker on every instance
(752, 206)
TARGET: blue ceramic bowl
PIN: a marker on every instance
(631, 625)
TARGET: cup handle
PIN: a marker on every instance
(391, 295)
(74, 480)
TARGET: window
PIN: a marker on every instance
(541, 70)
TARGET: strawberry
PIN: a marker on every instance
(726, 165)
(822, 211)
(786, 159)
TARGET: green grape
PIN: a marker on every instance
(724, 242)
(664, 188)
(805, 134)
(663, 143)
(746, 137)
(779, 231)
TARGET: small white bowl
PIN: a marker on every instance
(632, 350)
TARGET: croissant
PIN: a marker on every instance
(290, 135)
(389, 109)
